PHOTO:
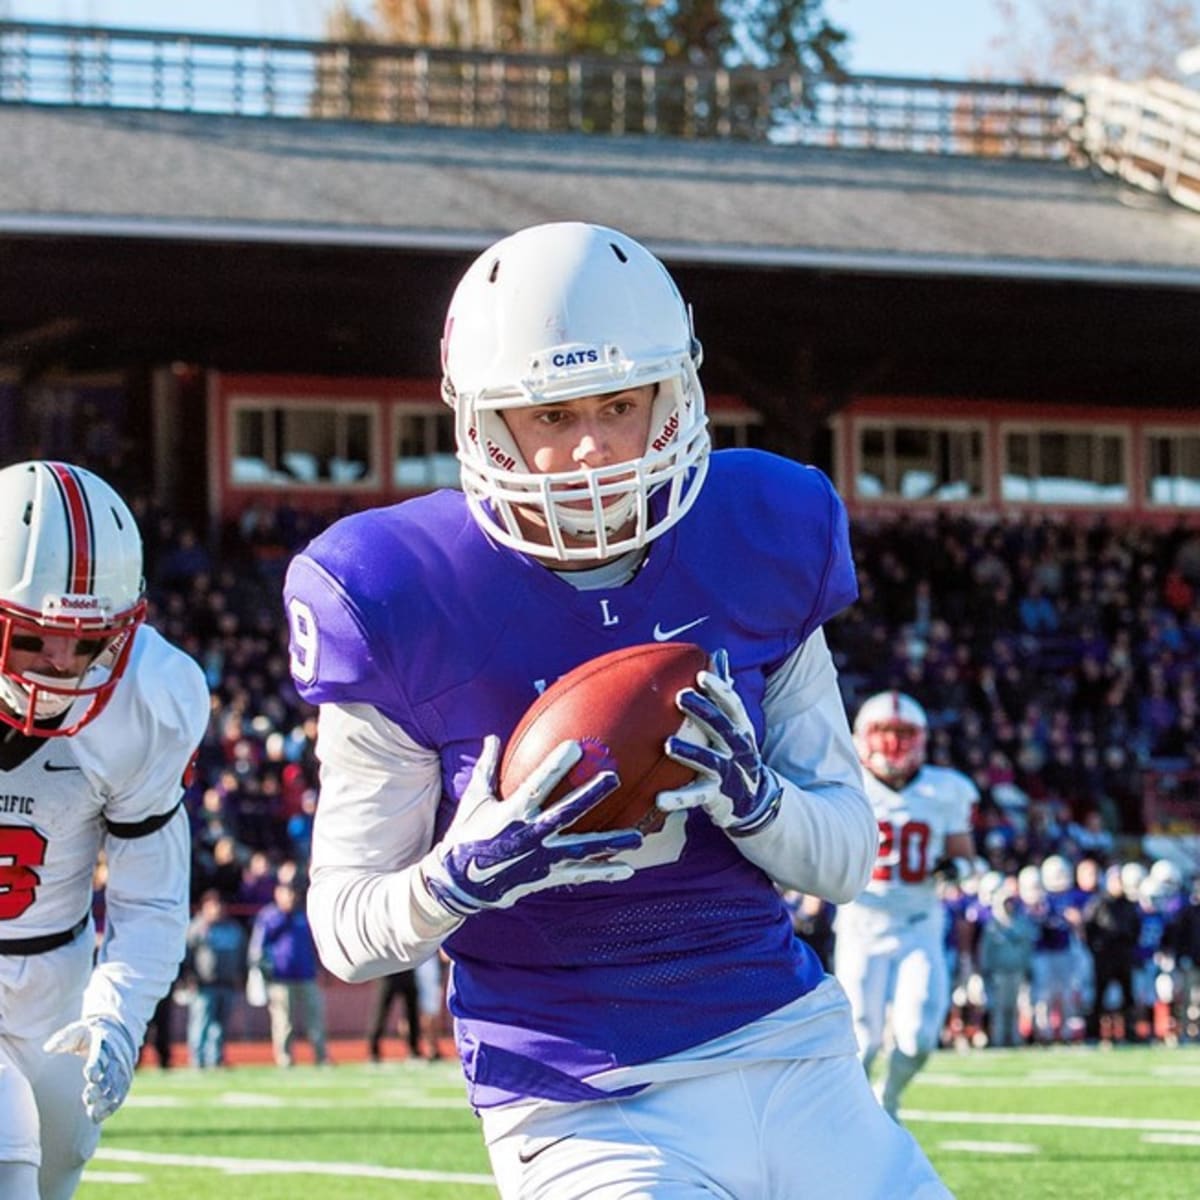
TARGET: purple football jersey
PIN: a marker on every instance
(453, 637)
(1054, 933)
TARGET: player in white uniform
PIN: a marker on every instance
(99, 720)
(888, 950)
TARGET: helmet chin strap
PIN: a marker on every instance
(882, 769)
(47, 704)
(54, 694)
(576, 524)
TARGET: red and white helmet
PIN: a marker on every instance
(890, 733)
(554, 313)
(70, 565)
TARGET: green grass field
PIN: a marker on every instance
(1077, 1123)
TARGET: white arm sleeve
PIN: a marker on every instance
(370, 914)
(140, 747)
(825, 839)
(146, 899)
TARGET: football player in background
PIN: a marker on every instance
(632, 1011)
(99, 719)
(889, 949)
(1062, 971)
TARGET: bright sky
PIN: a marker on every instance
(946, 38)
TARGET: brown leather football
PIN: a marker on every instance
(621, 708)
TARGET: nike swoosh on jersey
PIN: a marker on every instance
(528, 1153)
(665, 635)
(60, 767)
(478, 874)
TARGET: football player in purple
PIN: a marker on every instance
(633, 1012)
(99, 719)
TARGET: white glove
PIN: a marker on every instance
(111, 1057)
(497, 851)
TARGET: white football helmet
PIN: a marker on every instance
(990, 882)
(890, 732)
(1132, 875)
(1152, 892)
(1057, 874)
(1168, 873)
(70, 565)
(1029, 885)
(555, 313)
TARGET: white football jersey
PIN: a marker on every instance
(913, 826)
(115, 785)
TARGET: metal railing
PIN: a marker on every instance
(92, 66)
(1146, 133)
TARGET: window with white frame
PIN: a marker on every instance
(1173, 468)
(1047, 465)
(423, 450)
(904, 460)
(734, 428)
(302, 442)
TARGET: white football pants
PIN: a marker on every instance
(902, 966)
(803, 1130)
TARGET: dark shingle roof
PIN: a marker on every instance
(114, 172)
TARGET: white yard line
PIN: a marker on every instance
(1172, 1139)
(1183, 1077)
(269, 1100)
(1060, 1120)
(990, 1147)
(274, 1166)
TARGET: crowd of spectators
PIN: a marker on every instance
(1058, 664)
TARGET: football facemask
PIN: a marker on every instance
(890, 734)
(553, 314)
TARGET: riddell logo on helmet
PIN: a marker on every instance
(667, 433)
(73, 603)
(500, 457)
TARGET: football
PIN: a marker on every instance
(621, 708)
